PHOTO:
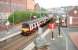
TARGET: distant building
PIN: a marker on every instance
(37, 7)
(73, 17)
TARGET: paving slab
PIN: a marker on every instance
(74, 38)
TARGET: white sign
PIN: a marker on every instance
(70, 20)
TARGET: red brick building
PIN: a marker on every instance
(9, 6)
(27, 4)
(73, 17)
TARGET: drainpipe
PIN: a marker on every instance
(26, 4)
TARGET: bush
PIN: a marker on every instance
(20, 16)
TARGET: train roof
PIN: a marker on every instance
(34, 21)
(31, 21)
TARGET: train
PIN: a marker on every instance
(29, 27)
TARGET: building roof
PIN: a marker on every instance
(72, 12)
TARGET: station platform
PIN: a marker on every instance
(74, 38)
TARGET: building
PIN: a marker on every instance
(24, 4)
(37, 7)
(73, 17)
(9, 6)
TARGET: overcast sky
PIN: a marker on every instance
(56, 3)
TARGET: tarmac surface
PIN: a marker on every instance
(60, 43)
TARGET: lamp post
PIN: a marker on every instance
(66, 9)
(59, 26)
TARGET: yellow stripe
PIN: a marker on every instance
(25, 29)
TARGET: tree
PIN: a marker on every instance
(19, 16)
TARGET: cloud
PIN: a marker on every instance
(57, 3)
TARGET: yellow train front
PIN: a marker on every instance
(27, 30)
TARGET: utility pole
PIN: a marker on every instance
(66, 10)
(59, 26)
(26, 4)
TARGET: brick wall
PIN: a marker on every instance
(28, 4)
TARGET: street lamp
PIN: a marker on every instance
(59, 26)
(66, 10)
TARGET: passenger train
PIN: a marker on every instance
(30, 27)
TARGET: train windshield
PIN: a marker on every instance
(25, 25)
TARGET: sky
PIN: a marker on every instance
(56, 3)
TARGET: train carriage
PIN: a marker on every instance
(30, 27)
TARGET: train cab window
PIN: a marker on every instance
(25, 25)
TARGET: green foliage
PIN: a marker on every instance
(20, 16)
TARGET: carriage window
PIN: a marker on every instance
(36, 23)
(33, 25)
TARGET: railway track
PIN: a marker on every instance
(17, 43)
